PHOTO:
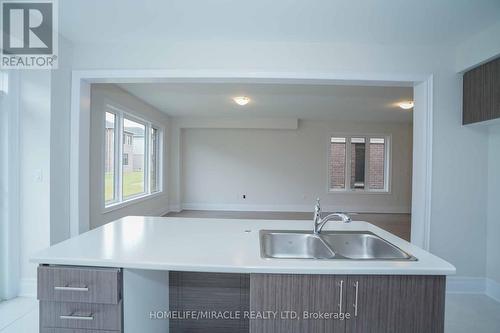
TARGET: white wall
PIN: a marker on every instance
(284, 169)
(34, 113)
(4, 189)
(101, 95)
(479, 48)
(454, 203)
(59, 139)
(9, 185)
(493, 227)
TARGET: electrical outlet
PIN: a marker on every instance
(38, 176)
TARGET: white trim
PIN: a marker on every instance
(493, 289)
(131, 201)
(10, 270)
(27, 287)
(121, 113)
(80, 118)
(290, 208)
(473, 285)
(465, 285)
(162, 212)
(422, 164)
(175, 208)
(4, 83)
(79, 155)
(387, 165)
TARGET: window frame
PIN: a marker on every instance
(387, 165)
(120, 201)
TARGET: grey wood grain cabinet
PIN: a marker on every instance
(481, 93)
(80, 299)
(297, 293)
(371, 303)
(200, 291)
(395, 303)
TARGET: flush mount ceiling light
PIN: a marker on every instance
(406, 105)
(241, 100)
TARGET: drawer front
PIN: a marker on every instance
(81, 315)
(73, 330)
(79, 284)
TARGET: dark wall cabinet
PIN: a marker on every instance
(481, 93)
(375, 304)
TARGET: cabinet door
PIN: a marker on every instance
(208, 292)
(385, 304)
(297, 293)
(481, 93)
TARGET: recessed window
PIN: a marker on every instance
(155, 159)
(359, 163)
(109, 158)
(132, 165)
(337, 163)
(133, 173)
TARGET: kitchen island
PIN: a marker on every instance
(148, 273)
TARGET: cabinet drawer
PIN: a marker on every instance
(80, 315)
(79, 284)
(73, 330)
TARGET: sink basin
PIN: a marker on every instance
(294, 245)
(347, 245)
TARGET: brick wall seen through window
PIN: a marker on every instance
(360, 161)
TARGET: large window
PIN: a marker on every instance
(359, 163)
(132, 158)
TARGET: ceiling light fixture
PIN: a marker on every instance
(406, 105)
(241, 100)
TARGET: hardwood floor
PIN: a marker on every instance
(398, 224)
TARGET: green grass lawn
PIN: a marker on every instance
(133, 183)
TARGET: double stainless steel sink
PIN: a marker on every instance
(347, 245)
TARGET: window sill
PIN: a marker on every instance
(359, 191)
(131, 201)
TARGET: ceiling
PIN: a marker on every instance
(361, 21)
(304, 101)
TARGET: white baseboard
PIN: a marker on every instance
(465, 285)
(161, 212)
(290, 208)
(493, 289)
(473, 285)
(27, 287)
(175, 208)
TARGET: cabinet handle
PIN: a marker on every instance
(356, 289)
(76, 317)
(341, 290)
(68, 288)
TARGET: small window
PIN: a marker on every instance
(377, 163)
(358, 149)
(337, 163)
(359, 163)
(132, 158)
(133, 173)
(109, 158)
(155, 159)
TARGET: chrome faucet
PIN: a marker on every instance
(319, 222)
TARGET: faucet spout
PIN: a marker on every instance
(319, 222)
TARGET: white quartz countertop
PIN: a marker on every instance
(220, 245)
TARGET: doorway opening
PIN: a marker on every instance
(360, 180)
